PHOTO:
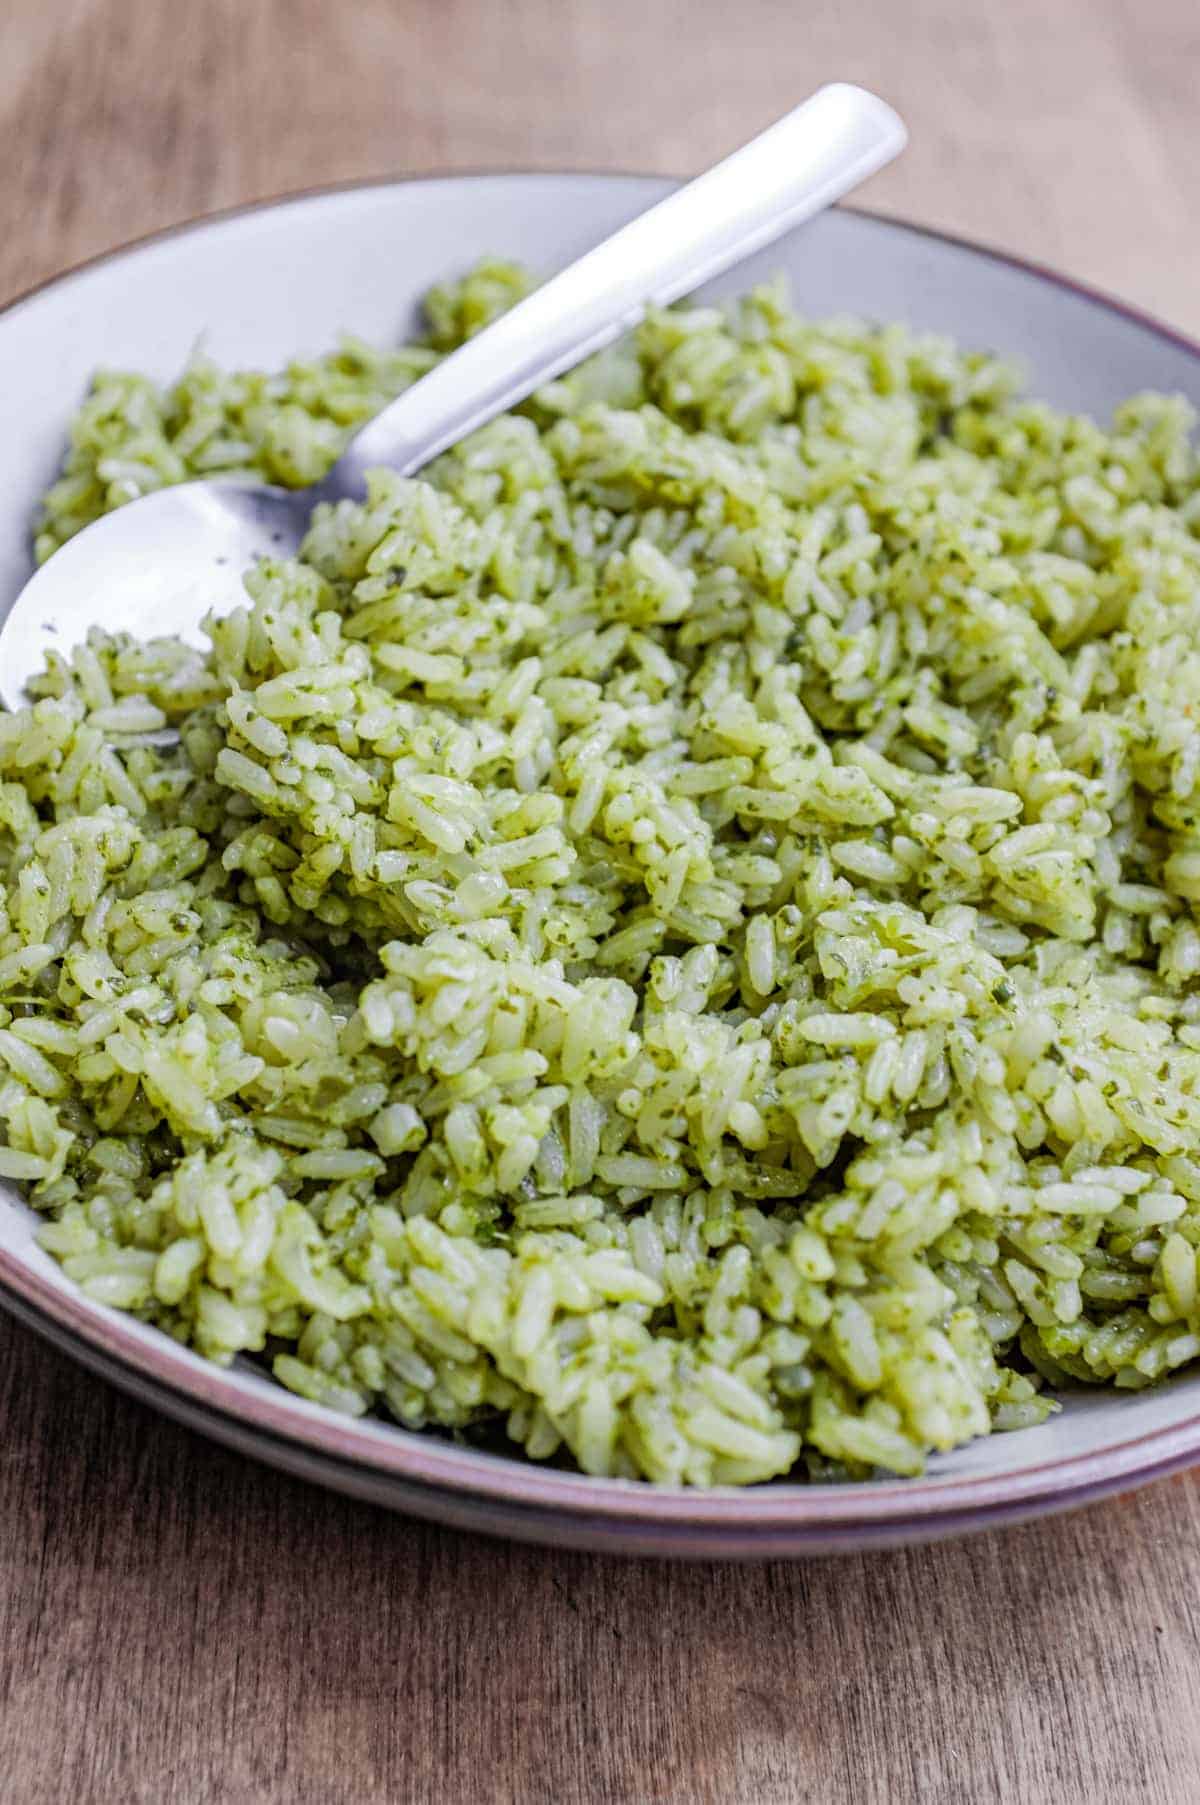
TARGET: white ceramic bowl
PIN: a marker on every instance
(258, 286)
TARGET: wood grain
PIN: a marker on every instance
(1063, 131)
(178, 1625)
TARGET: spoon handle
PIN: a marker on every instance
(798, 166)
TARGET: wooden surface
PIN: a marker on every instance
(178, 1625)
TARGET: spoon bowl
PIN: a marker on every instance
(153, 568)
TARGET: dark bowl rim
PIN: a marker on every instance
(390, 1452)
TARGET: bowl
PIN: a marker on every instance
(269, 282)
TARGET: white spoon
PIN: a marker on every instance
(158, 565)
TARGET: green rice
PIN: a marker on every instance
(671, 939)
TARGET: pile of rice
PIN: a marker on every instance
(672, 937)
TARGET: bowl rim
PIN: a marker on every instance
(389, 1452)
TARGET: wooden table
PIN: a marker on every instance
(178, 1625)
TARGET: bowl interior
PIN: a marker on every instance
(260, 286)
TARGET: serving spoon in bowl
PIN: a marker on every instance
(156, 566)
